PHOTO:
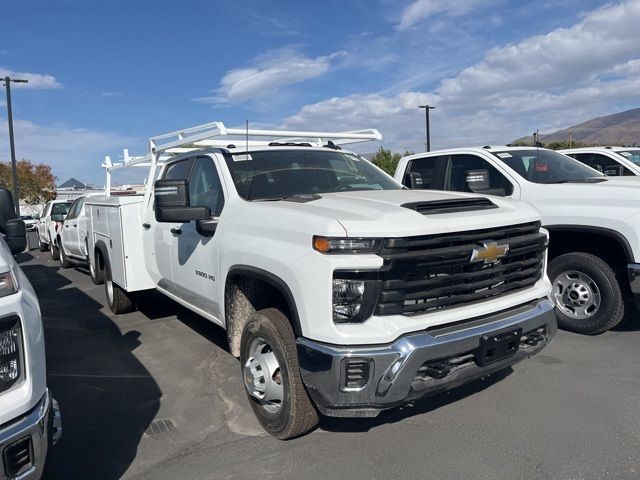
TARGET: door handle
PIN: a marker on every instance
(75, 225)
(146, 226)
(66, 226)
(176, 231)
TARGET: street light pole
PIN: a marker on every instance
(426, 119)
(14, 167)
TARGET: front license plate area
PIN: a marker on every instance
(498, 346)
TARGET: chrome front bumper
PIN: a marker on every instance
(418, 364)
(36, 430)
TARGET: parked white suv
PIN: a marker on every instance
(593, 221)
(612, 161)
(340, 291)
(29, 417)
(53, 213)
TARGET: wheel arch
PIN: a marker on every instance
(101, 253)
(562, 238)
(248, 289)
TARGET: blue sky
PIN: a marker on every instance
(107, 75)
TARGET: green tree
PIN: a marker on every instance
(36, 181)
(388, 161)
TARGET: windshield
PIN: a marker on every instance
(277, 174)
(631, 155)
(547, 166)
(60, 208)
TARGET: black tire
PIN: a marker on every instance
(97, 275)
(118, 300)
(296, 415)
(64, 261)
(41, 246)
(611, 309)
(55, 251)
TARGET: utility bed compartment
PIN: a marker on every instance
(115, 223)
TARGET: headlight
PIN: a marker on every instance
(8, 284)
(354, 300)
(346, 245)
(10, 352)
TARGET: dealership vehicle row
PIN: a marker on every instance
(344, 291)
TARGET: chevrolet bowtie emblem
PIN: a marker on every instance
(490, 252)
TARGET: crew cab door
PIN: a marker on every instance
(42, 223)
(159, 238)
(69, 231)
(195, 257)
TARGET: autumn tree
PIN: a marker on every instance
(388, 161)
(36, 181)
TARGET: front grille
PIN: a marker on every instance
(430, 273)
(18, 457)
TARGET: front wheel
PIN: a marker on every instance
(586, 292)
(55, 251)
(118, 300)
(41, 246)
(272, 378)
(64, 261)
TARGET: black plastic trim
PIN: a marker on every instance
(621, 239)
(276, 282)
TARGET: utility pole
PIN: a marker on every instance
(426, 118)
(570, 138)
(14, 168)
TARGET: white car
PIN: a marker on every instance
(53, 213)
(340, 291)
(612, 161)
(29, 416)
(593, 221)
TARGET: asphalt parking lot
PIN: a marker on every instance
(155, 394)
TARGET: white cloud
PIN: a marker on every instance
(36, 80)
(71, 152)
(420, 10)
(111, 94)
(546, 81)
(271, 71)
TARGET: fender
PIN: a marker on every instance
(614, 235)
(275, 282)
(100, 245)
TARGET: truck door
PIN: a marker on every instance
(69, 231)
(42, 223)
(195, 257)
(159, 237)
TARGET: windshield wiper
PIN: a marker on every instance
(584, 180)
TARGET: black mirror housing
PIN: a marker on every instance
(614, 171)
(182, 214)
(478, 180)
(413, 180)
(15, 235)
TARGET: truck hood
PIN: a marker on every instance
(615, 198)
(379, 213)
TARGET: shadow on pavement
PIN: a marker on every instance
(106, 396)
(418, 407)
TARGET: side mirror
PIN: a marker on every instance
(478, 181)
(172, 203)
(597, 167)
(413, 180)
(15, 235)
(206, 228)
(614, 171)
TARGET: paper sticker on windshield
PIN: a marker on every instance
(626, 154)
(505, 155)
(242, 158)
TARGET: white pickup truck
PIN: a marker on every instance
(612, 161)
(29, 416)
(340, 291)
(593, 221)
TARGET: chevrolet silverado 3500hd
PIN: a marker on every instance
(593, 221)
(341, 292)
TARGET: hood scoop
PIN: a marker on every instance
(453, 205)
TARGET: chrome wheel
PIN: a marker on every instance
(576, 294)
(262, 376)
